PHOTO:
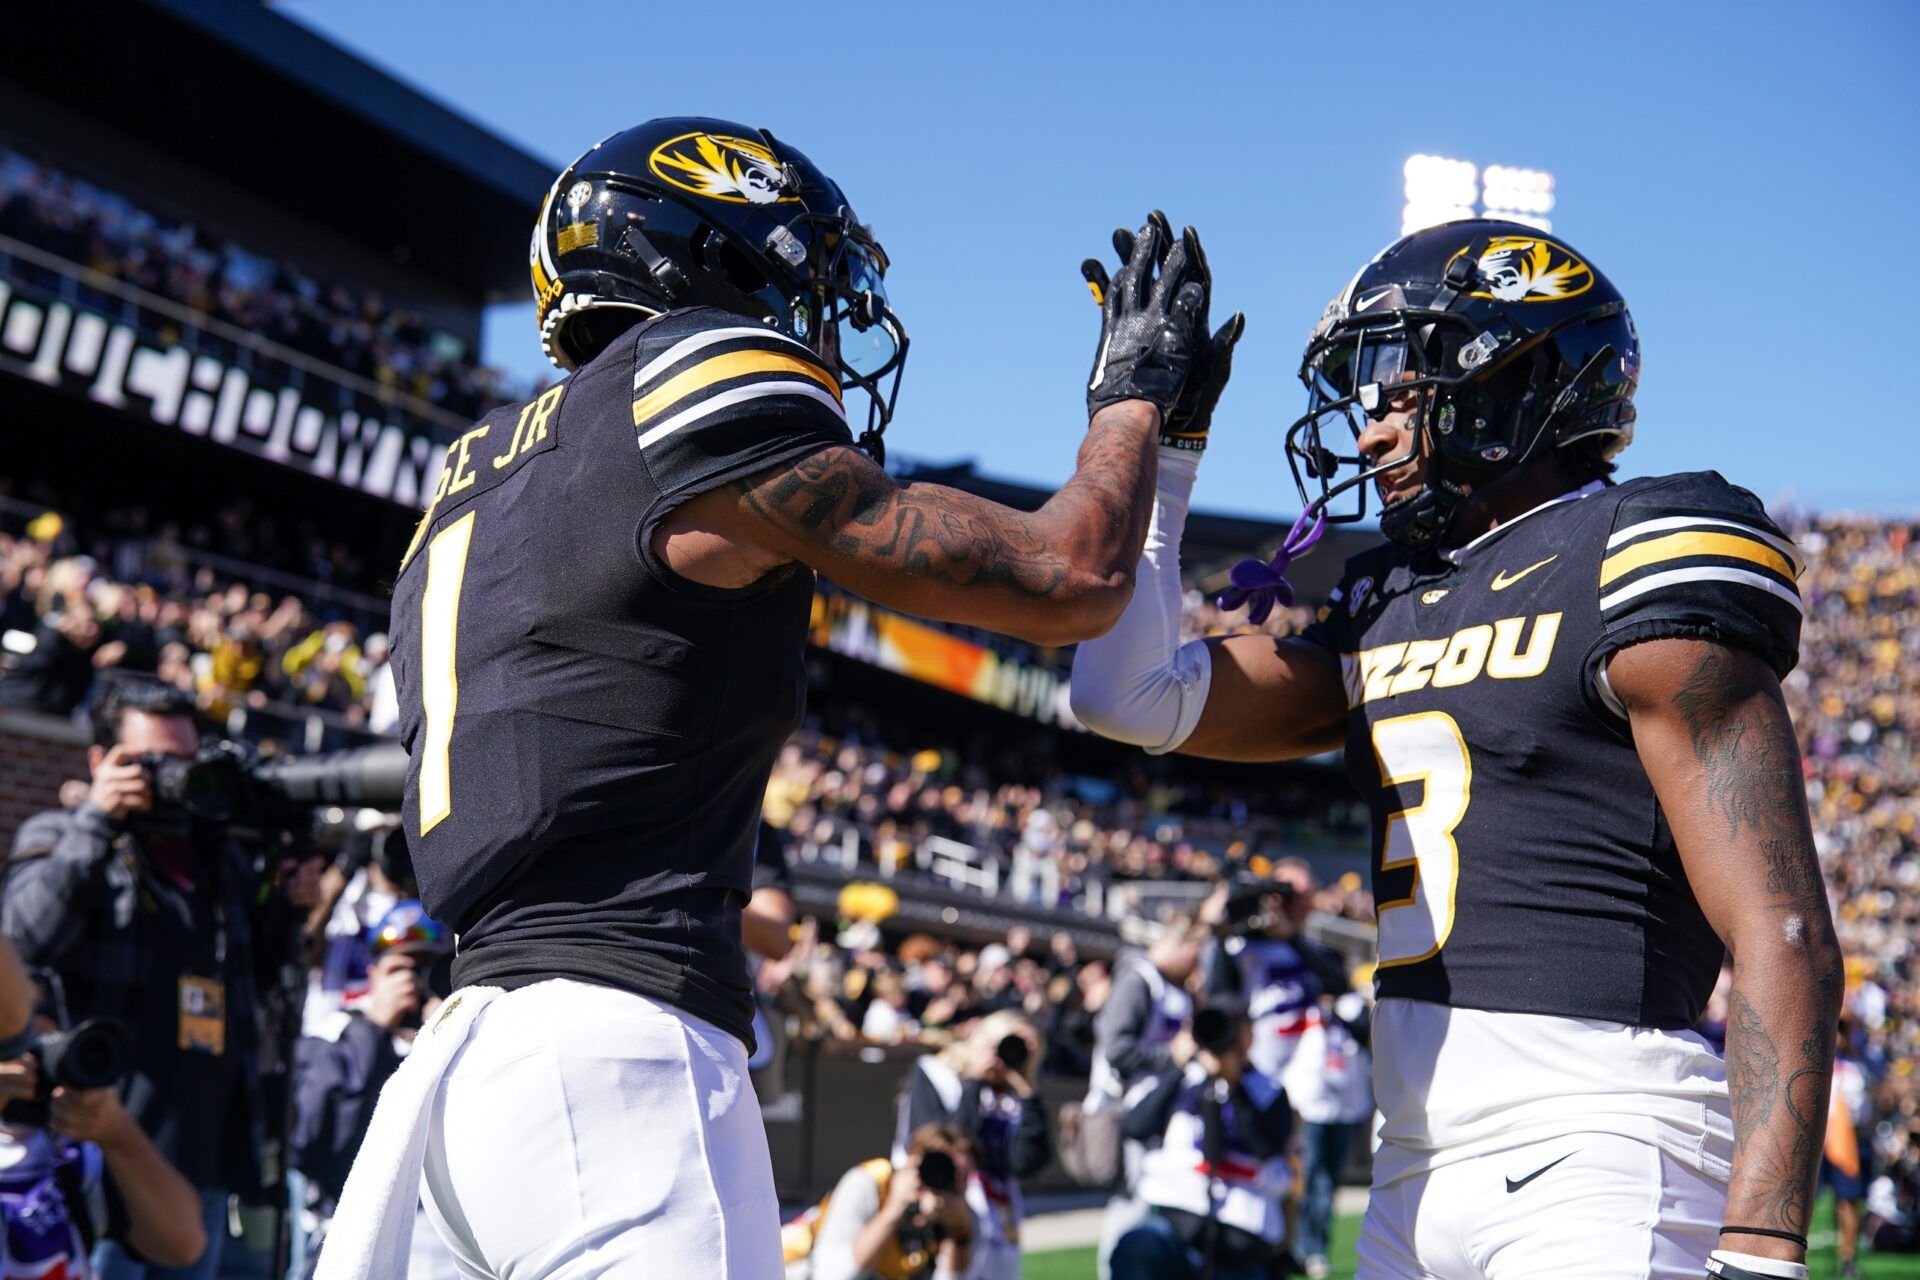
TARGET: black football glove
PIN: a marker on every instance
(1149, 330)
(1186, 427)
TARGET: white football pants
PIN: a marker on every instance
(585, 1132)
(1588, 1206)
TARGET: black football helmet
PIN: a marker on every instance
(688, 211)
(1513, 343)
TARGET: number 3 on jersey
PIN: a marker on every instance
(1425, 748)
(439, 689)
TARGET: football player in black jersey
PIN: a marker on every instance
(1560, 697)
(599, 636)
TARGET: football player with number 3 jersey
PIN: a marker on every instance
(599, 645)
(1560, 698)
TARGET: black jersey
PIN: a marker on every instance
(1521, 861)
(589, 733)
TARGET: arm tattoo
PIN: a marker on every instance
(1780, 1029)
(841, 502)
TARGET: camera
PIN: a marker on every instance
(93, 1055)
(1013, 1051)
(226, 780)
(1217, 1024)
(938, 1172)
(1247, 895)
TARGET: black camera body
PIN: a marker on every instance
(1247, 894)
(938, 1172)
(1217, 1024)
(93, 1055)
(1014, 1052)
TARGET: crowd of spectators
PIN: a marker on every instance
(1054, 839)
(1855, 699)
(272, 298)
(66, 616)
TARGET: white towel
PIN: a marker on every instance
(372, 1229)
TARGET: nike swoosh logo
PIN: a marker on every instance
(1501, 581)
(1514, 1185)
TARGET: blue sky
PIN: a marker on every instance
(1748, 175)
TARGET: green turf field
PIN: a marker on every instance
(1077, 1264)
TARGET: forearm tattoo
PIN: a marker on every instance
(1780, 1029)
(840, 501)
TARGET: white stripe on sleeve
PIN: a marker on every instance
(687, 346)
(1707, 573)
(739, 395)
(1785, 548)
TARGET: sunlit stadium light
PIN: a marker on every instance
(1440, 189)
(1437, 190)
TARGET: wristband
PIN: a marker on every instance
(1791, 1237)
(1728, 1265)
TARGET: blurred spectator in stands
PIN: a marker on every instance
(984, 1086)
(152, 917)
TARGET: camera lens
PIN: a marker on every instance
(936, 1171)
(1013, 1051)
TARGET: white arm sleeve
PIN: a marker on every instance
(1138, 683)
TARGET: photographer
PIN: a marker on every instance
(75, 1168)
(1290, 984)
(984, 1086)
(338, 1073)
(1139, 1033)
(148, 915)
(884, 1222)
(1213, 1179)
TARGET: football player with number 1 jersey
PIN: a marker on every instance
(599, 646)
(1560, 697)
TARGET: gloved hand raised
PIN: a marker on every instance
(1150, 330)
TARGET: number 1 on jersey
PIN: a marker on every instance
(1423, 748)
(439, 689)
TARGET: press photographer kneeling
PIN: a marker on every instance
(1215, 1171)
(75, 1166)
(909, 1222)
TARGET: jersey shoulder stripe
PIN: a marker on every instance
(1674, 551)
(712, 374)
(1691, 555)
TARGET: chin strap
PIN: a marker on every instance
(1258, 584)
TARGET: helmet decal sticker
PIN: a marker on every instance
(1530, 269)
(577, 196)
(721, 168)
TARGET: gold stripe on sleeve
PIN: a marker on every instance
(718, 369)
(1678, 545)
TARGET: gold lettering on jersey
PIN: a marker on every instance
(1506, 662)
(542, 412)
(1466, 654)
(460, 462)
(1375, 666)
(513, 445)
(1391, 670)
(1417, 669)
(456, 462)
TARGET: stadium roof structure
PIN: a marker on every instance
(1213, 543)
(234, 88)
